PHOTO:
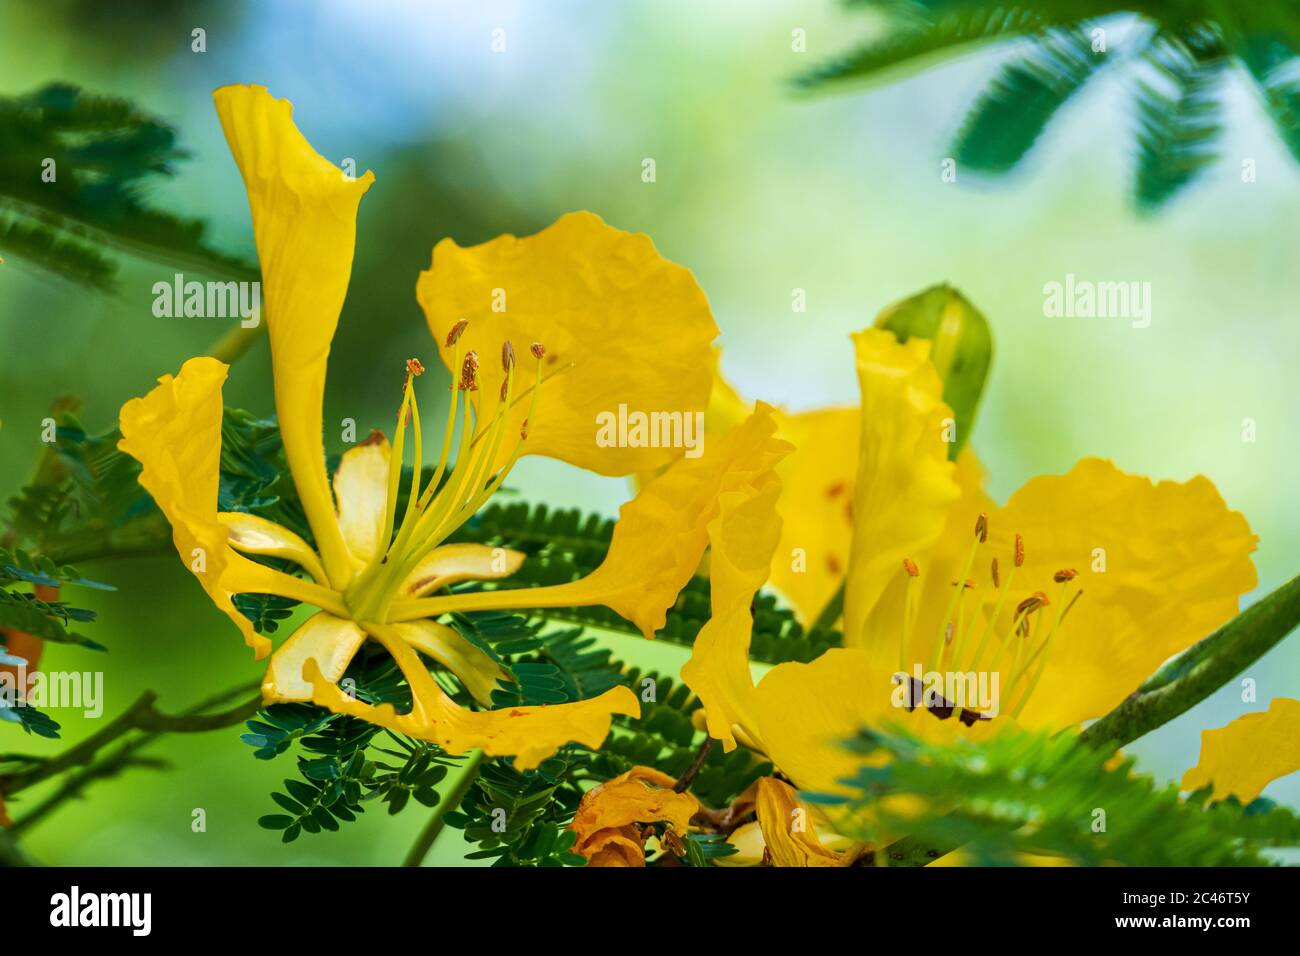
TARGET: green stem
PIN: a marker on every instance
(1201, 669)
(451, 801)
(832, 612)
(236, 342)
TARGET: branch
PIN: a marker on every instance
(141, 715)
(1200, 670)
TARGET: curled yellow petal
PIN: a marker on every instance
(329, 642)
(742, 538)
(454, 563)
(789, 827)
(904, 484)
(622, 326)
(175, 433)
(251, 534)
(304, 212)
(1251, 752)
(529, 734)
(610, 818)
(472, 666)
(361, 490)
(658, 539)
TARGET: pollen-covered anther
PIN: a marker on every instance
(1035, 602)
(469, 373)
(523, 430)
(982, 527)
(997, 580)
(910, 567)
(374, 438)
(507, 356)
(1065, 574)
(1020, 550)
(414, 367)
(456, 330)
(538, 350)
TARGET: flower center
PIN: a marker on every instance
(1017, 652)
(451, 496)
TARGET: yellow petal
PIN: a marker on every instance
(454, 563)
(471, 665)
(304, 221)
(817, 505)
(742, 539)
(749, 844)
(1242, 758)
(621, 326)
(789, 829)
(658, 539)
(251, 534)
(361, 490)
(940, 566)
(1176, 561)
(804, 712)
(530, 734)
(609, 814)
(330, 642)
(175, 434)
(904, 484)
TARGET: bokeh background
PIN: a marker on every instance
(759, 191)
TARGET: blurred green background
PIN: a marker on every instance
(759, 191)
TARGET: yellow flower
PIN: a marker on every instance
(611, 818)
(1249, 753)
(598, 317)
(941, 581)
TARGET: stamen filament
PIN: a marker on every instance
(981, 534)
(993, 620)
(909, 611)
(1041, 655)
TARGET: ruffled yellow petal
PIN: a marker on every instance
(175, 434)
(304, 221)
(361, 491)
(1176, 561)
(609, 817)
(530, 734)
(904, 484)
(658, 539)
(253, 535)
(330, 642)
(817, 505)
(790, 831)
(471, 665)
(741, 539)
(621, 326)
(1248, 754)
(454, 563)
